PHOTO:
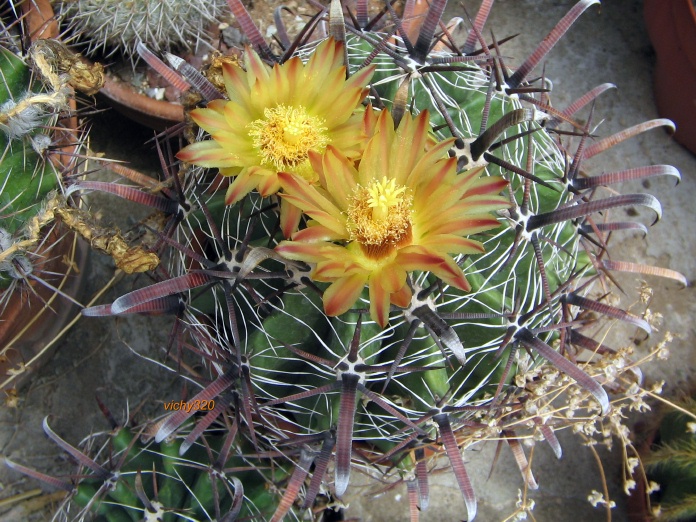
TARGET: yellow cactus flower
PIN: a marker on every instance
(275, 116)
(403, 209)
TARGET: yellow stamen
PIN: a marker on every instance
(379, 217)
(383, 195)
(285, 135)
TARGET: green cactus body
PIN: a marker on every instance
(184, 486)
(173, 491)
(671, 463)
(502, 281)
(26, 178)
(496, 281)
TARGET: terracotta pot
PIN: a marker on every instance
(39, 19)
(32, 319)
(156, 114)
(672, 28)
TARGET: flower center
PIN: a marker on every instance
(379, 217)
(285, 135)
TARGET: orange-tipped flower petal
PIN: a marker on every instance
(342, 294)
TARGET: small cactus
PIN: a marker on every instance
(115, 26)
(124, 475)
(31, 176)
(28, 175)
(671, 464)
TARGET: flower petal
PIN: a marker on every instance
(268, 184)
(375, 161)
(469, 226)
(207, 154)
(327, 56)
(342, 295)
(316, 232)
(452, 244)
(379, 303)
(339, 176)
(209, 120)
(417, 258)
(306, 197)
(410, 140)
(257, 71)
(429, 178)
(402, 298)
(245, 182)
(391, 277)
(290, 217)
(336, 269)
(235, 83)
(238, 116)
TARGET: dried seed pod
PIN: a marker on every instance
(59, 65)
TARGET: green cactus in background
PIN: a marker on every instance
(671, 464)
(134, 478)
(43, 151)
(380, 267)
(109, 27)
(28, 177)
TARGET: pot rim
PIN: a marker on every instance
(156, 114)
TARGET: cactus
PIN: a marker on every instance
(671, 464)
(378, 303)
(124, 475)
(113, 26)
(28, 175)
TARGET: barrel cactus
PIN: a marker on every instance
(383, 249)
(124, 475)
